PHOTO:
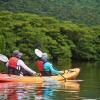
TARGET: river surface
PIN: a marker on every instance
(87, 87)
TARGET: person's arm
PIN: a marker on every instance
(50, 67)
(22, 64)
(54, 71)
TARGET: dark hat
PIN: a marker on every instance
(17, 53)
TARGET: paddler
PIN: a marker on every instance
(17, 67)
(46, 68)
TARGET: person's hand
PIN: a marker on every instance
(61, 72)
(37, 74)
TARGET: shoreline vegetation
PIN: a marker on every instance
(62, 40)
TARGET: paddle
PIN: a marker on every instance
(3, 58)
(39, 54)
(63, 77)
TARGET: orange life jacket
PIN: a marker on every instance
(13, 62)
(39, 64)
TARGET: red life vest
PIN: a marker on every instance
(39, 64)
(13, 62)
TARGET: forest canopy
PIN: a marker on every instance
(62, 40)
(79, 11)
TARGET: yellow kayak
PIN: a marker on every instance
(68, 74)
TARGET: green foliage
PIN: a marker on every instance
(86, 41)
(78, 11)
(27, 32)
(62, 40)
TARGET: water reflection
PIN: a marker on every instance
(89, 89)
(27, 91)
(43, 93)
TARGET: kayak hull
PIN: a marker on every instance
(68, 74)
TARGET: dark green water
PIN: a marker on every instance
(88, 89)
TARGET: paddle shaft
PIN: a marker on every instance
(60, 74)
(63, 77)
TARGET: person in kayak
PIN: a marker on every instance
(46, 68)
(17, 67)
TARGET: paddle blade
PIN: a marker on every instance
(3, 58)
(38, 53)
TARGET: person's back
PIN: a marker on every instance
(12, 66)
(13, 62)
(39, 64)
